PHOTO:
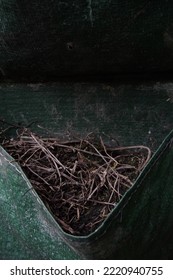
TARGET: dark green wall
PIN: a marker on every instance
(49, 39)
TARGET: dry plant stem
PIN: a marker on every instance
(54, 159)
(113, 189)
(140, 147)
(78, 149)
(35, 151)
(102, 202)
(104, 148)
(37, 175)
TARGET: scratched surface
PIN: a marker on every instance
(43, 40)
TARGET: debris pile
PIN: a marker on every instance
(80, 181)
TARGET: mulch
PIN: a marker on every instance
(79, 181)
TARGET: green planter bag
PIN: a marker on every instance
(140, 227)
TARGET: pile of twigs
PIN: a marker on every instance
(80, 182)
